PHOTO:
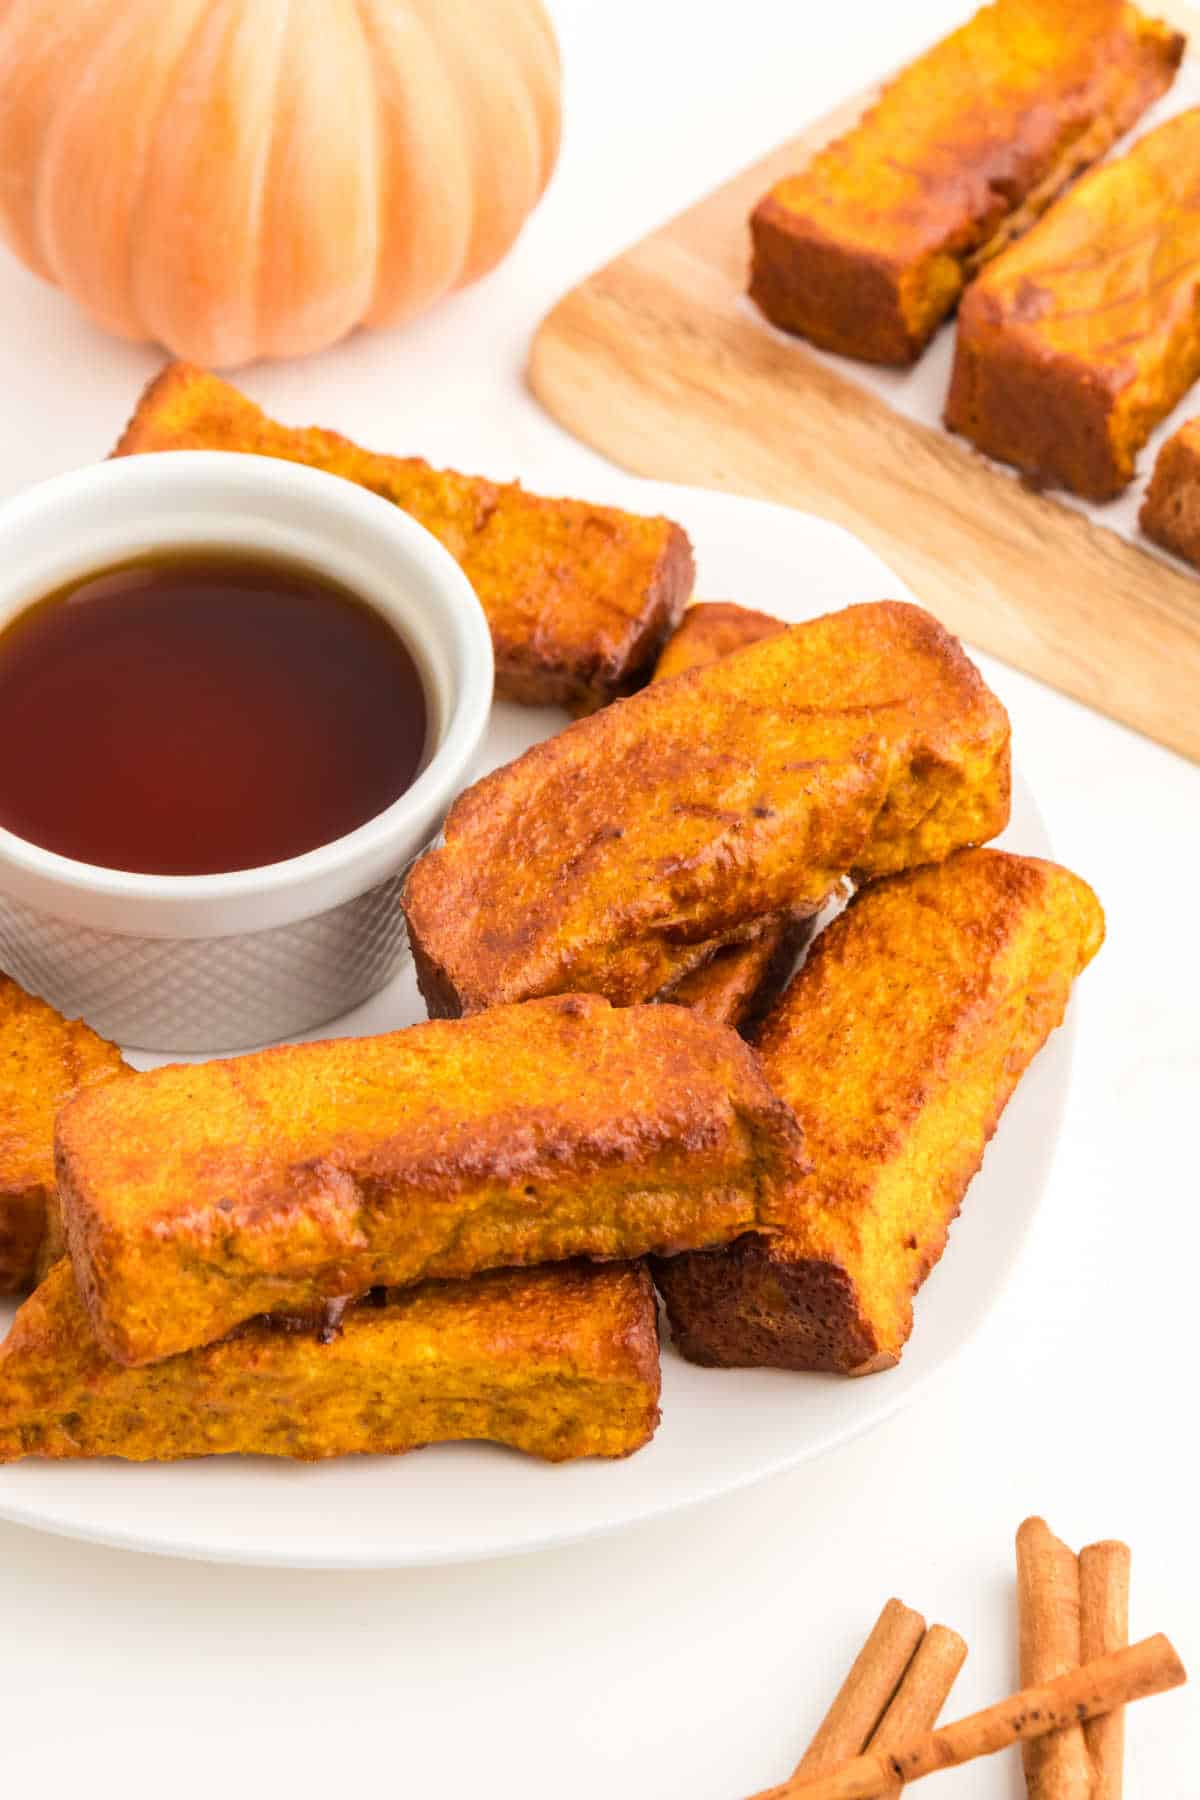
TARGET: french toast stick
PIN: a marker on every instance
(201, 1196)
(578, 597)
(1170, 511)
(44, 1059)
(739, 981)
(899, 1043)
(708, 630)
(616, 856)
(866, 250)
(559, 1363)
(1078, 340)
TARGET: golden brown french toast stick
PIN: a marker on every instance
(1170, 512)
(200, 1196)
(578, 597)
(867, 249)
(616, 856)
(559, 1362)
(709, 630)
(899, 1044)
(44, 1059)
(1077, 341)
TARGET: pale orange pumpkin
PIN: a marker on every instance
(246, 178)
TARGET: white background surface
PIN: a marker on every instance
(692, 1657)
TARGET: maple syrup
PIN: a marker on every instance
(200, 712)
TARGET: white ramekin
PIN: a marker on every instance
(221, 962)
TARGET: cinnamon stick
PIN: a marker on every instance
(1104, 1626)
(1056, 1768)
(1135, 1673)
(922, 1693)
(859, 1703)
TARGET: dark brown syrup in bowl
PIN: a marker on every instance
(197, 713)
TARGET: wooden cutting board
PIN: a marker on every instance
(657, 362)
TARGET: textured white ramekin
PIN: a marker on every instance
(220, 962)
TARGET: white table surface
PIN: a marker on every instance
(690, 1657)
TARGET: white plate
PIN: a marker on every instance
(720, 1429)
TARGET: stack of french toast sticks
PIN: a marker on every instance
(971, 184)
(456, 1230)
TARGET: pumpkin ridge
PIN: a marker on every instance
(155, 126)
(19, 187)
(57, 113)
(481, 257)
(444, 275)
(378, 137)
(547, 132)
(523, 96)
(467, 134)
(192, 281)
(263, 173)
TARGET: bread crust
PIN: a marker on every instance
(867, 249)
(559, 1363)
(1170, 512)
(899, 1044)
(1077, 341)
(744, 1308)
(616, 857)
(578, 597)
(197, 1197)
(44, 1060)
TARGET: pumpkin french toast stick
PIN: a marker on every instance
(44, 1059)
(1077, 341)
(578, 597)
(899, 1044)
(614, 857)
(1170, 512)
(739, 981)
(201, 1196)
(559, 1362)
(709, 630)
(866, 250)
